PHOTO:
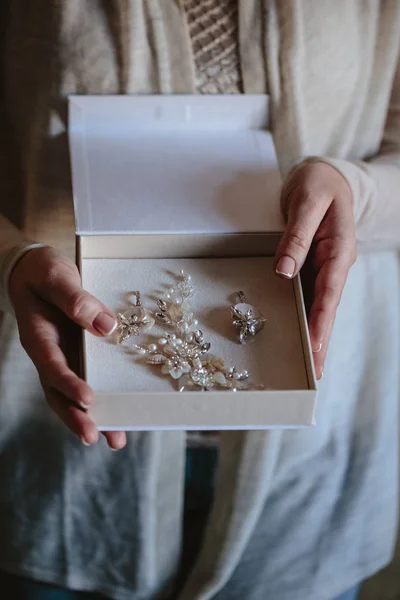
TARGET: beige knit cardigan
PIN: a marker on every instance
(329, 68)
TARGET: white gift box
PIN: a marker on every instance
(164, 183)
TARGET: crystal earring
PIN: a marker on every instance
(135, 321)
(247, 318)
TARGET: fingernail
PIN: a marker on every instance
(286, 266)
(84, 406)
(318, 348)
(105, 324)
(321, 376)
(84, 442)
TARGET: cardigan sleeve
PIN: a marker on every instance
(13, 246)
(375, 183)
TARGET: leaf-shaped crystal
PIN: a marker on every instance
(163, 318)
(219, 378)
(157, 359)
(198, 336)
(236, 313)
(162, 305)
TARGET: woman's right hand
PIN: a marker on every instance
(49, 303)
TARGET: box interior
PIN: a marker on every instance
(173, 165)
(276, 356)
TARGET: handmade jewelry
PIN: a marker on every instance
(188, 361)
(247, 318)
(135, 321)
(176, 355)
(184, 355)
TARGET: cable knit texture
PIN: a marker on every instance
(213, 28)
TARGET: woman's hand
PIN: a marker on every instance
(48, 299)
(317, 201)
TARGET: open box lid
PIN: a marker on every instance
(173, 164)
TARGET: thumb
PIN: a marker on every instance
(64, 290)
(304, 217)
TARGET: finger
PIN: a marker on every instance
(328, 290)
(62, 288)
(76, 419)
(40, 338)
(304, 217)
(115, 439)
(320, 357)
(64, 390)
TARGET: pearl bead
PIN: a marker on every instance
(153, 347)
(195, 323)
(178, 342)
(176, 297)
(142, 351)
(162, 341)
(185, 327)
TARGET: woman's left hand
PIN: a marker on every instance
(317, 201)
